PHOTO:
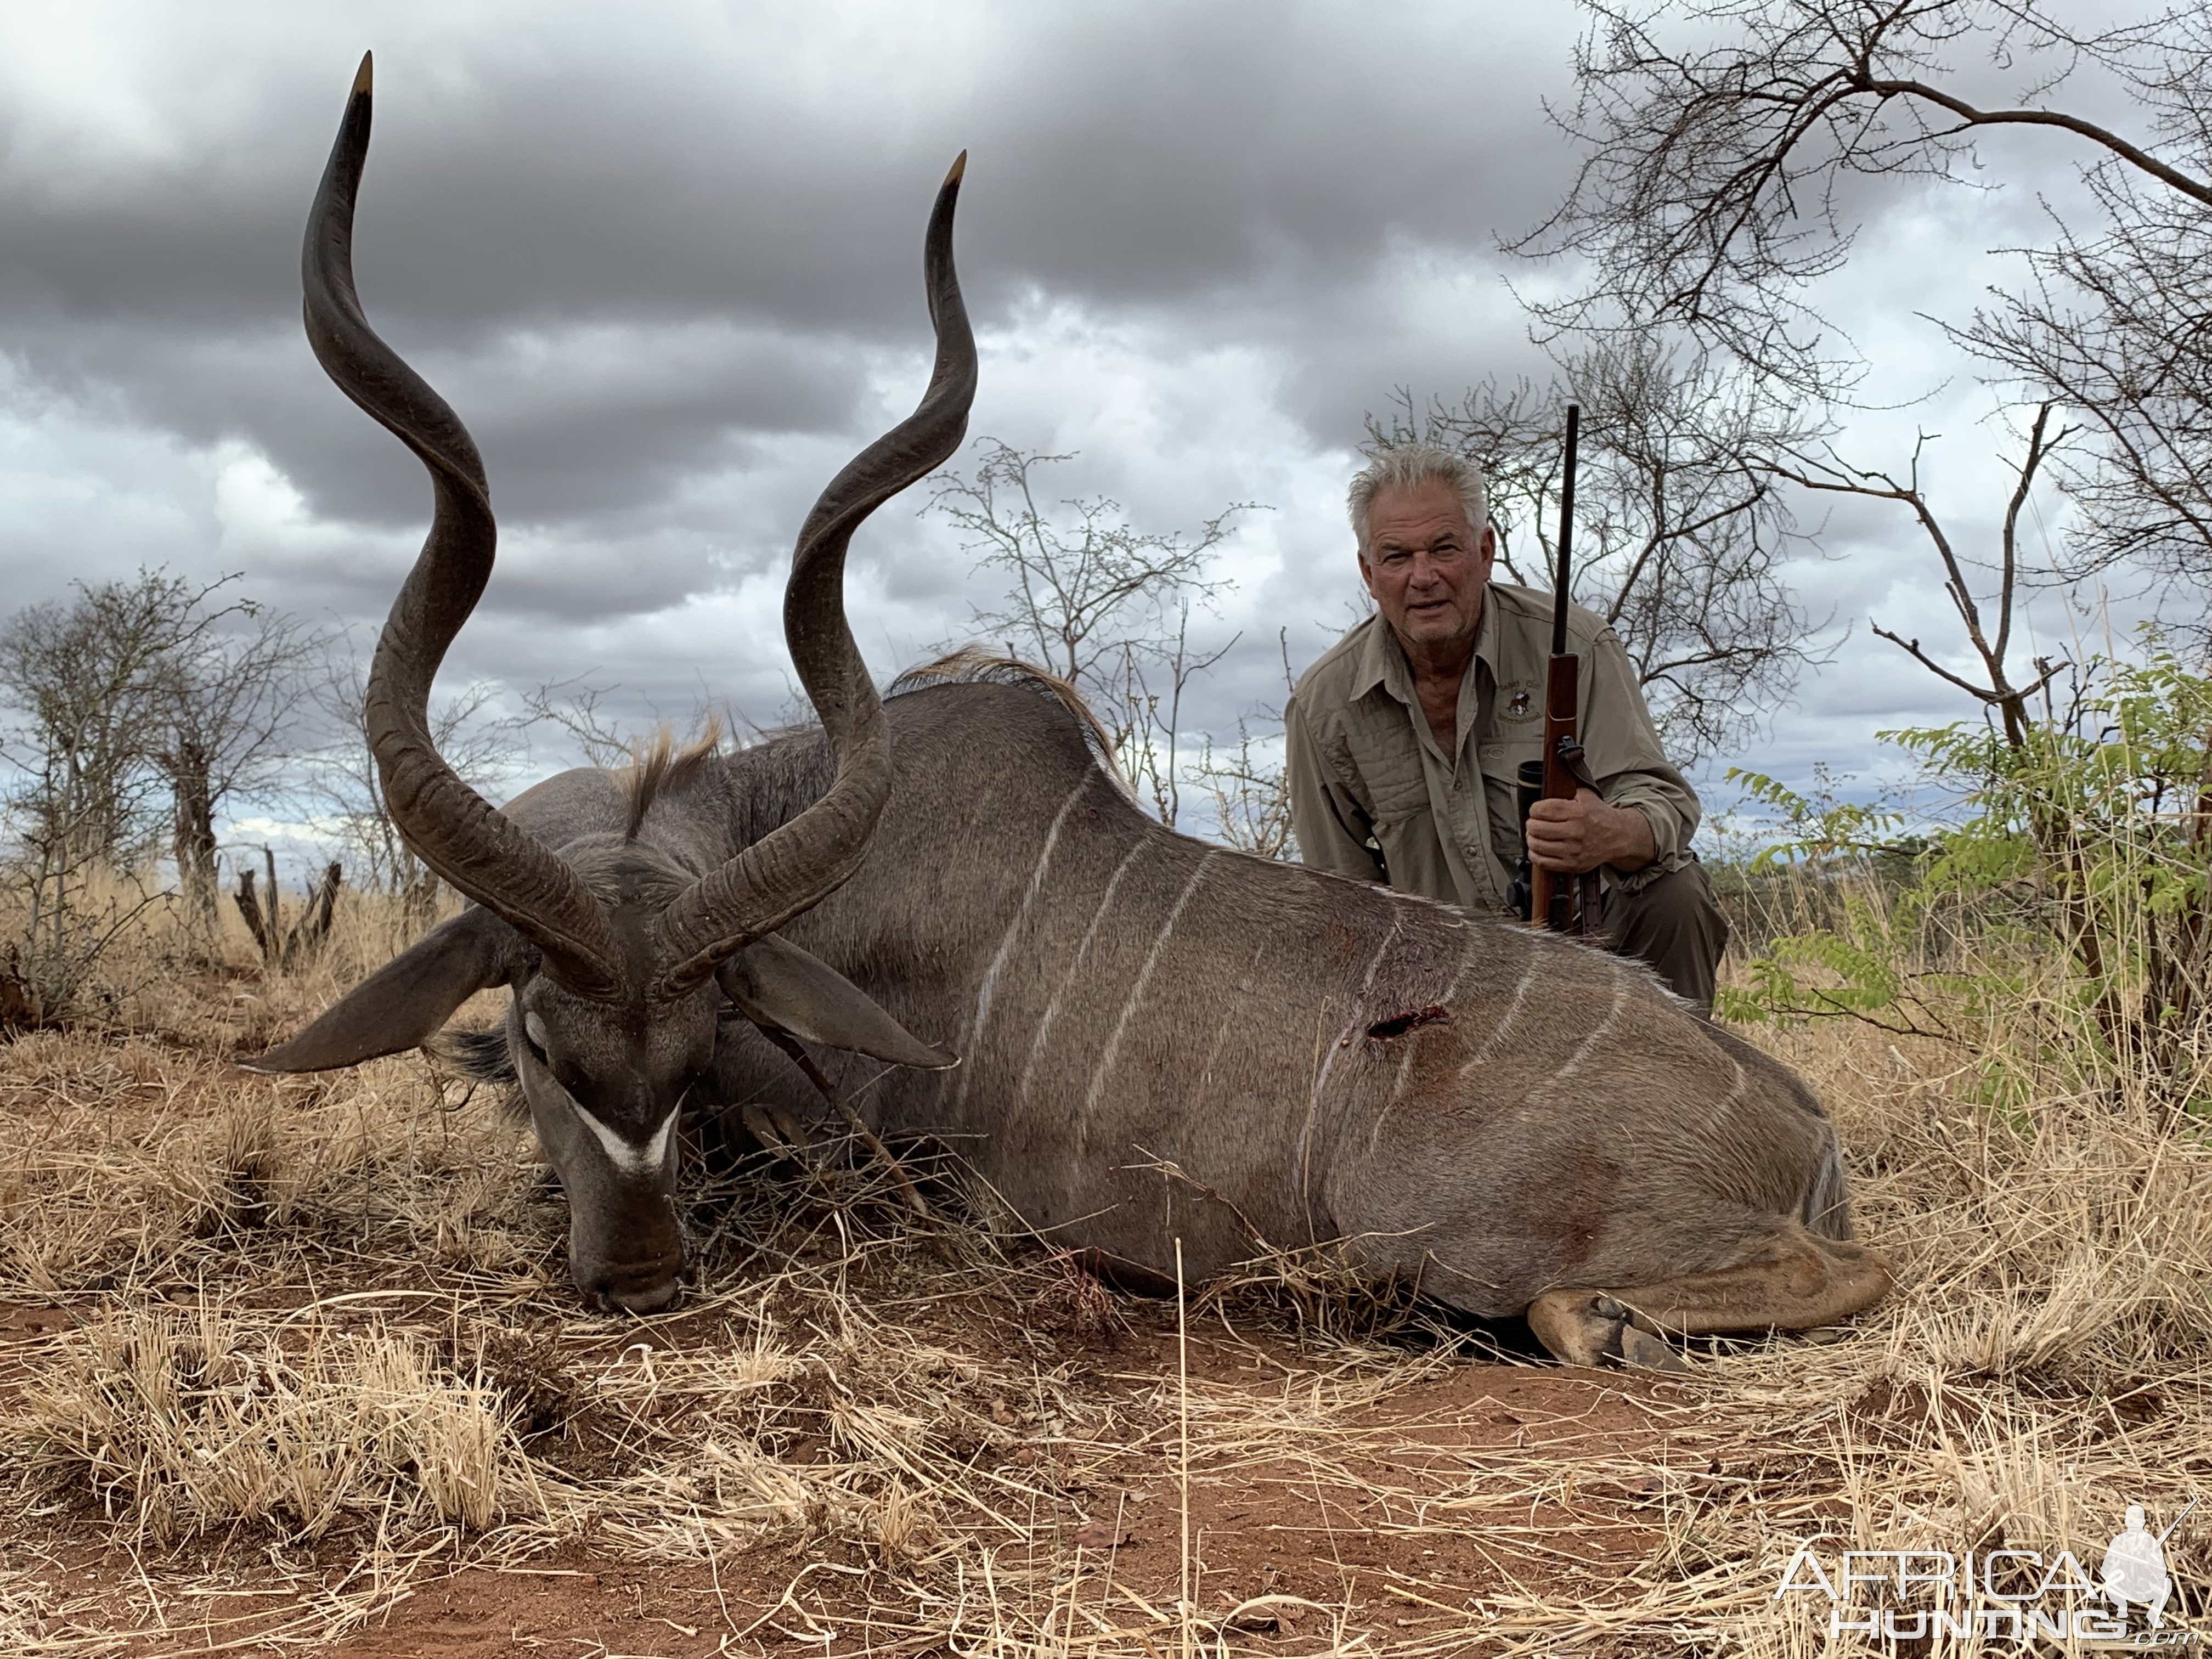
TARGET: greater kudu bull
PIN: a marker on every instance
(1161, 1040)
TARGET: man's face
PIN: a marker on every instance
(1425, 566)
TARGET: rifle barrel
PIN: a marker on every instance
(1566, 532)
(1561, 722)
(2178, 1520)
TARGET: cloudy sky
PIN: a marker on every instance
(664, 260)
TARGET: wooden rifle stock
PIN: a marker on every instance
(1565, 773)
(1546, 890)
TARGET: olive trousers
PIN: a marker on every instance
(1672, 924)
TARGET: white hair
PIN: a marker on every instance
(1405, 466)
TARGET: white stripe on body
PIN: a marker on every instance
(1596, 1034)
(1735, 1089)
(973, 1034)
(1233, 1012)
(1490, 1044)
(1051, 1009)
(1328, 1065)
(1105, 1067)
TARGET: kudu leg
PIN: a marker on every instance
(1796, 1280)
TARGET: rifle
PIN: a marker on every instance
(1562, 770)
(2178, 1520)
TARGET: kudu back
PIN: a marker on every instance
(1159, 1040)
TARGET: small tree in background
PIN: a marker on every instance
(80, 681)
(227, 724)
(138, 706)
(1101, 604)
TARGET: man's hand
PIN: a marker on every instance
(1569, 836)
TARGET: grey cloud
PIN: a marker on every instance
(667, 270)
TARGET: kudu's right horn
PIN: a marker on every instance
(796, 866)
(450, 827)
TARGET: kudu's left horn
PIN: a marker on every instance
(451, 828)
(799, 864)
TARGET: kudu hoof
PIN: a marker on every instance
(1628, 1346)
(1644, 1352)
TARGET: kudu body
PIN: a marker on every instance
(1162, 1039)
(1159, 1040)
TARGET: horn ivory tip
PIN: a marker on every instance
(960, 167)
(364, 78)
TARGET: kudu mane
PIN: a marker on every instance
(971, 664)
(661, 767)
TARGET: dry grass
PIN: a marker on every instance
(309, 1350)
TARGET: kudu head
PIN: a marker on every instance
(621, 949)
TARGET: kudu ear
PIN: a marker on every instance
(783, 988)
(403, 1004)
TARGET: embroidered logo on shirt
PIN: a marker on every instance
(1520, 701)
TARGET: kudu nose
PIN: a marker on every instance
(640, 1297)
(647, 1285)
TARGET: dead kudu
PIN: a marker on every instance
(1160, 1040)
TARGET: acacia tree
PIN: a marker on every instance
(138, 702)
(1105, 606)
(1681, 536)
(1733, 149)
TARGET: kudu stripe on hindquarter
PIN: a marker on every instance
(1072, 975)
(979, 1023)
(1104, 1069)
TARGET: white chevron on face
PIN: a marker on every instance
(624, 1155)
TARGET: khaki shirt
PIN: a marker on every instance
(1372, 796)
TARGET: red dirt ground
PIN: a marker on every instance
(1368, 1541)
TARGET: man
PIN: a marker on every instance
(1405, 737)
(2135, 1569)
